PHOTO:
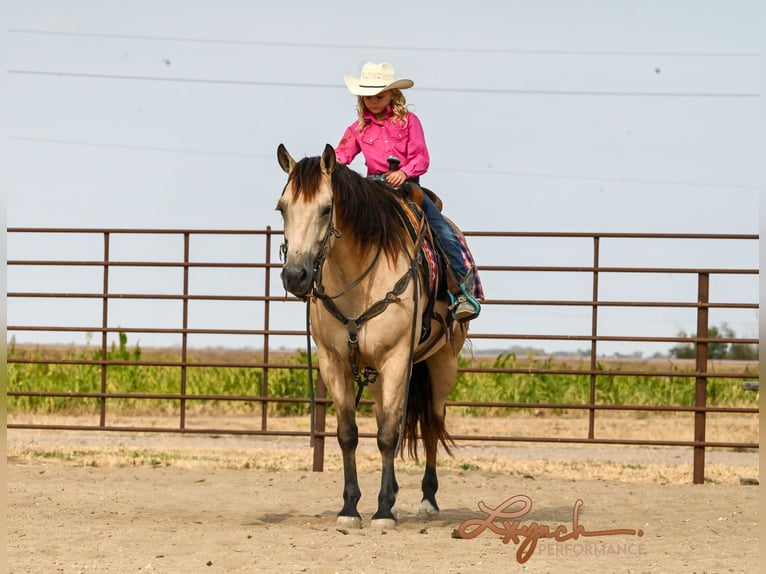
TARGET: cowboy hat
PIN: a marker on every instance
(375, 78)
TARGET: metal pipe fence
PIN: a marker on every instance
(260, 260)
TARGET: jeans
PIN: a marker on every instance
(446, 237)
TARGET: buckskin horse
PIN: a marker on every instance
(348, 251)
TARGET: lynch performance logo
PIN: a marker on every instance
(504, 520)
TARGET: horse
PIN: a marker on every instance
(347, 251)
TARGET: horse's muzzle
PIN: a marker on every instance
(297, 279)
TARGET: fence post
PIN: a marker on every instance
(321, 416)
(184, 334)
(593, 343)
(700, 389)
(104, 327)
(266, 307)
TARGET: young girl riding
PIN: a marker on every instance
(386, 129)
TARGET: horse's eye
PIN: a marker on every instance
(326, 211)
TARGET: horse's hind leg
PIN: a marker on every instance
(430, 483)
(442, 370)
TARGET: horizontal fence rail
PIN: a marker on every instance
(108, 261)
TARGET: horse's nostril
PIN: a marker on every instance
(293, 273)
(296, 279)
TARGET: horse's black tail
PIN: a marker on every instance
(420, 410)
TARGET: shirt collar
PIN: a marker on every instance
(368, 115)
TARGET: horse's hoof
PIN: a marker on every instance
(383, 523)
(427, 509)
(352, 522)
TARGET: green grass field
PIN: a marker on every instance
(131, 378)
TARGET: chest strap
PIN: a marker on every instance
(353, 324)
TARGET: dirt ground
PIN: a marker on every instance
(155, 502)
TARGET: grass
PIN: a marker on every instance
(613, 388)
(132, 378)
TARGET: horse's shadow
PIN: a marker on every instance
(273, 518)
(446, 518)
(557, 515)
(551, 515)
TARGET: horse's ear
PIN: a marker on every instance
(286, 161)
(327, 163)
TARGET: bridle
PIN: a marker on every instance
(353, 324)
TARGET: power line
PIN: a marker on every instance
(134, 147)
(168, 79)
(434, 168)
(411, 48)
(486, 91)
(627, 180)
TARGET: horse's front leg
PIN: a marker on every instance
(348, 438)
(337, 376)
(389, 402)
(388, 434)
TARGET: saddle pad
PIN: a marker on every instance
(412, 217)
(478, 290)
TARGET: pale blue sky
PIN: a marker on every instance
(540, 116)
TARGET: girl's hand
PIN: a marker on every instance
(396, 178)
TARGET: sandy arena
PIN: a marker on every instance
(155, 502)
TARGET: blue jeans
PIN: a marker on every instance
(445, 236)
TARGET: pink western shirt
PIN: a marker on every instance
(387, 137)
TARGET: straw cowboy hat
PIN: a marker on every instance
(375, 78)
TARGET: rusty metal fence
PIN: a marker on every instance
(256, 254)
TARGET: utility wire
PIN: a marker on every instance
(316, 45)
(596, 93)
(137, 147)
(434, 168)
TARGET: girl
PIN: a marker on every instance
(385, 128)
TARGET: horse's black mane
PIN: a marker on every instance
(365, 209)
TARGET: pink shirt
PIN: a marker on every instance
(383, 138)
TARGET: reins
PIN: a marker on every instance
(368, 375)
(312, 398)
(353, 324)
(350, 286)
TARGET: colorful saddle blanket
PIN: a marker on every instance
(430, 258)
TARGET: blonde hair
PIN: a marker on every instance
(398, 107)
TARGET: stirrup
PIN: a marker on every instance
(463, 307)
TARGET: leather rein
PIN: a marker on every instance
(353, 324)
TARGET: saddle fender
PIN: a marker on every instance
(417, 192)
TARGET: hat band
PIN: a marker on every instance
(372, 85)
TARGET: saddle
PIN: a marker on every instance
(431, 261)
(415, 193)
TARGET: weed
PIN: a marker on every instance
(66, 377)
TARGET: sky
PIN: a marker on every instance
(540, 115)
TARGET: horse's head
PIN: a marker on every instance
(306, 206)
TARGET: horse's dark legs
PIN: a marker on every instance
(348, 438)
(388, 436)
(429, 485)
